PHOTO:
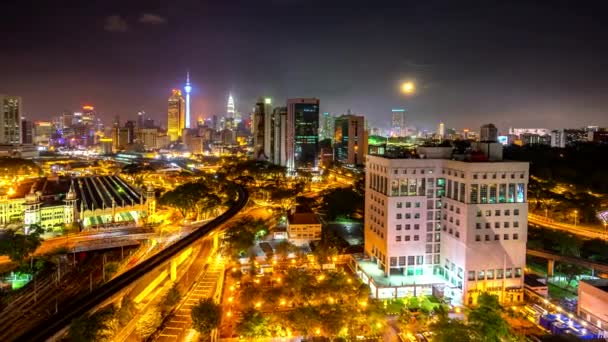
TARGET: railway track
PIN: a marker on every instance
(65, 315)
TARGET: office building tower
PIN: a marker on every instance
(141, 119)
(130, 126)
(568, 137)
(175, 119)
(10, 119)
(441, 130)
(43, 132)
(488, 133)
(149, 123)
(67, 119)
(230, 109)
(261, 128)
(147, 137)
(302, 133)
(350, 140)
(326, 126)
(398, 123)
(187, 89)
(88, 115)
(26, 132)
(456, 224)
(279, 136)
(537, 131)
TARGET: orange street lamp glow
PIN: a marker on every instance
(408, 88)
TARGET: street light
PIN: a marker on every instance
(575, 217)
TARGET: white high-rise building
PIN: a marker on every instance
(454, 225)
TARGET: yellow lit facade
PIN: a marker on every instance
(176, 115)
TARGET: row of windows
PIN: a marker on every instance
(377, 210)
(407, 204)
(497, 193)
(408, 226)
(487, 237)
(494, 175)
(407, 238)
(505, 224)
(506, 212)
(451, 232)
(377, 199)
(411, 260)
(412, 171)
(376, 252)
(377, 231)
(495, 274)
(457, 209)
(377, 221)
(399, 216)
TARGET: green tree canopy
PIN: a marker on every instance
(19, 246)
(206, 316)
(253, 324)
(487, 320)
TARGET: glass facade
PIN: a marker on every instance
(306, 135)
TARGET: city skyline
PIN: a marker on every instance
(488, 70)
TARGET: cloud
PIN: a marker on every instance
(152, 19)
(115, 23)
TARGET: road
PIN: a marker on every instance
(585, 231)
(63, 318)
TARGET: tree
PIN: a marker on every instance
(170, 300)
(243, 234)
(206, 316)
(284, 248)
(149, 322)
(19, 246)
(486, 319)
(452, 330)
(99, 326)
(253, 324)
(341, 202)
(126, 311)
(570, 271)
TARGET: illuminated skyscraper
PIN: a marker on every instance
(175, 118)
(187, 89)
(10, 119)
(230, 109)
(441, 130)
(302, 133)
(398, 123)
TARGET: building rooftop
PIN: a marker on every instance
(601, 284)
(303, 218)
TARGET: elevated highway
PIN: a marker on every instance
(553, 257)
(62, 319)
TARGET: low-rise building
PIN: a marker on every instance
(593, 301)
(89, 201)
(303, 226)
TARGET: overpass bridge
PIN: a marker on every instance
(552, 257)
(162, 264)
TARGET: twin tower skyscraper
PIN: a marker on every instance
(179, 113)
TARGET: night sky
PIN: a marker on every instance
(514, 64)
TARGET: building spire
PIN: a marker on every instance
(187, 89)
